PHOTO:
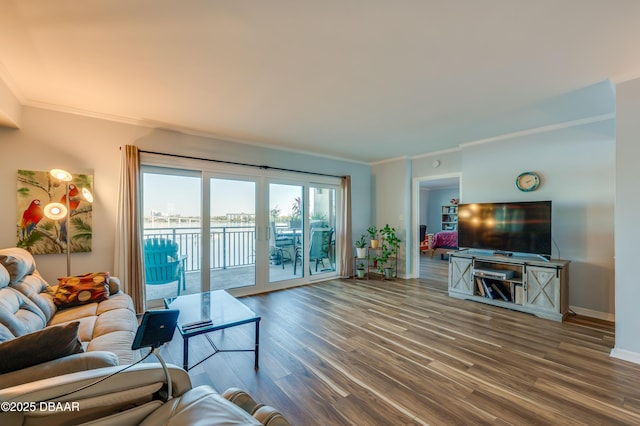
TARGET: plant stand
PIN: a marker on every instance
(357, 260)
(378, 270)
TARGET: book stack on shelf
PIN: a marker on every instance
(500, 290)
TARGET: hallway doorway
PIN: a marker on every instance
(433, 197)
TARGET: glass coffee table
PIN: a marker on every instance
(204, 313)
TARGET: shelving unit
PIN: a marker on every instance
(357, 260)
(450, 218)
(372, 267)
(527, 284)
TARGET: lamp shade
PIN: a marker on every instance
(87, 195)
(61, 175)
(55, 211)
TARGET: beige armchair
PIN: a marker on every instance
(127, 398)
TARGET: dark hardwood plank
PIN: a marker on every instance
(369, 352)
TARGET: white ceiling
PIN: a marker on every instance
(364, 80)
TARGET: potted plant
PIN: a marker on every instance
(296, 213)
(361, 247)
(373, 235)
(360, 270)
(389, 248)
(378, 263)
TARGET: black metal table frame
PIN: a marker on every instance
(216, 350)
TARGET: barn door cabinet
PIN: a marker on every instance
(522, 283)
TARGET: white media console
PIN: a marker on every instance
(522, 283)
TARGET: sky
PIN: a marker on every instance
(180, 195)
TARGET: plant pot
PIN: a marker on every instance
(360, 273)
(361, 252)
(295, 223)
(388, 273)
(374, 244)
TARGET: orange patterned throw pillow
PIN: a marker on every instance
(82, 289)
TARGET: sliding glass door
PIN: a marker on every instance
(233, 233)
(286, 231)
(322, 230)
(172, 239)
(236, 228)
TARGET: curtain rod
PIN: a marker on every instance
(240, 164)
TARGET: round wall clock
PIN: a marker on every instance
(527, 181)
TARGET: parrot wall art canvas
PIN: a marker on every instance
(40, 235)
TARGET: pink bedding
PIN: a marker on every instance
(445, 239)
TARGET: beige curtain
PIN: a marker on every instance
(128, 252)
(345, 268)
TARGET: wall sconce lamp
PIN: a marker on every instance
(59, 211)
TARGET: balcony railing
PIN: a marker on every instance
(230, 246)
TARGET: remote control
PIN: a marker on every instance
(195, 327)
(196, 324)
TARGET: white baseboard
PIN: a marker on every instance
(625, 355)
(606, 316)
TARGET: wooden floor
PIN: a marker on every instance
(368, 352)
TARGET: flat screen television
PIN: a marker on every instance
(518, 227)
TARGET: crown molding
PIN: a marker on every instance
(542, 129)
(436, 153)
(151, 124)
(623, 78)
(389, 160)
(210, 135)
(527, 132)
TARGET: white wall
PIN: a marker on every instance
(433, 167)
(437, 165)
(77, 144)
(577, 166)
(627, 232)
(49, 139)
(391, 182)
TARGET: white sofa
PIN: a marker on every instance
(105, 329)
